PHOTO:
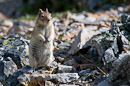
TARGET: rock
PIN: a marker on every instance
(64, 45)
(109, 55)
(92, 28)
(99, 79)
(94, 54)
(25, 68)
(120, 9)
(65, 69)
(12, 79)
(5, 26)
(20, 28)
(70, 62)
(79, 17)
(7, 23)
(90, 19)
(77, 25)
(96, 43)
(7, 68)
(124, 40)
(69, 34)
(48, 83)
(89, 75)
(62, 77)
(54, 64)
(16, 48)
(83, 72)
(81, 41)
(28, 76)
(104, 83)
(104, 45)
(121, 68)
(103, 29)
(60, 59)
(31, 80)
(65, 21)
(4, 29)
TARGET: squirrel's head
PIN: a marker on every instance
(44, 17)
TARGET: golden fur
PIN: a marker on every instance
(41, 43)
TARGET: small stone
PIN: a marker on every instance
(79, 17)
(60, 59)
(54, 64)
(124, 40)
(64, 45)
(4, 29)
(90, 19)
(65, 69)
(48, 83)
(63, 77)
(121, 9)
(77, 25)
(109, 55)
(20, 28)
(104, 83)
(7, 23)
(26, 68)
(7, 67)
(83, 72)
(70, 33)
(70, 62)
(89, 75)
(103, 29)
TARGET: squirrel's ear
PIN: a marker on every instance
(47, 10)
(40, 10)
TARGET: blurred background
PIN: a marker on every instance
(91, 36)
(18, 16)
(17, 8)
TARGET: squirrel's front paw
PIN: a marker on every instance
(49, 39)
(42, 39)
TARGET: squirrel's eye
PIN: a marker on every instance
(42, 16)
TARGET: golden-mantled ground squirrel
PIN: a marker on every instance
(41, 43)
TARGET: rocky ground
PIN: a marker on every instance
(91, 49)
